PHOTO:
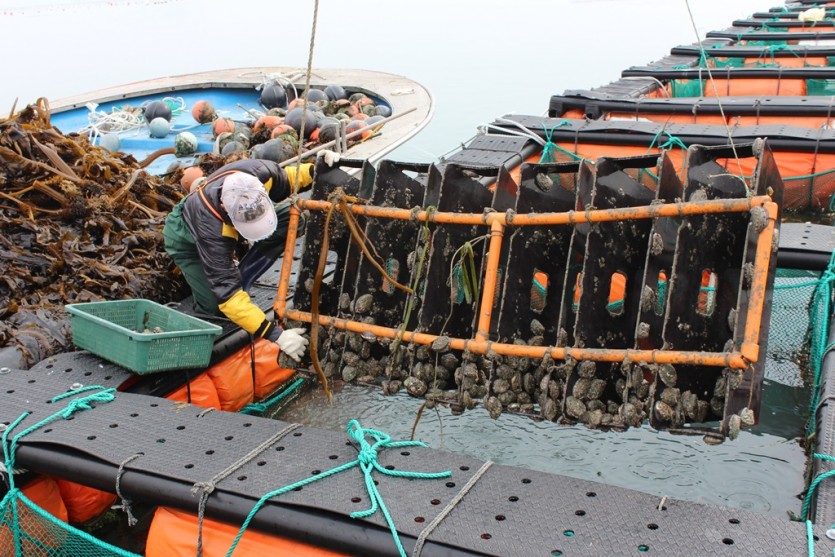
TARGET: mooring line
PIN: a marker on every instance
(448, 509)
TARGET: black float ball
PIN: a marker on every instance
(157, 109)
(274, 96)
(294, 120)
(316, 95)
(335, 92)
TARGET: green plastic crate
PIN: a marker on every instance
(114, 331)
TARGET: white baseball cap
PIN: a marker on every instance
(248, 206)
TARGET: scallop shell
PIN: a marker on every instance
(363, 303)
(574, 407)
(441, 344)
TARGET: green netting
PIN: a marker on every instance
(765, 43)
(26, 530)
(687, 87)
(823, 87)
(789, 339)
(729, 62)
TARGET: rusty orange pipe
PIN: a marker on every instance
(490, 277)
(716, 359)
(570, 217)
(759, 287)
(280, 301)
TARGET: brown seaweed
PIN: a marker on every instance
(77, 224)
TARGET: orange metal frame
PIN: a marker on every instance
(498, 222)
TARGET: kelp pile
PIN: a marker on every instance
(78, 224)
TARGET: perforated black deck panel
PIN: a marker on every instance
(780, 137)
(805, 245)
(490, 151)
(509, 511)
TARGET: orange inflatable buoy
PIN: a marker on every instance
(203, 112)
(173, 533)
(223, 125)
(44, 493)
(202, 390)
(83, 503)
(267, 122)
(233, 376)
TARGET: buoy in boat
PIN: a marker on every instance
(328, 129)
(267, 122)
(203, 112)
(223, 125)
(231, 147)
(316, 95)
(273, 96)
(294, 119)
(383, 110)
(274, 150)
(157, 109)
(111, 142)
(159, 127)
(283, 129)
(354, 125)
(190, 174)
(335, 92)
(185, 144)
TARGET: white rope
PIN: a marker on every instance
(713, 84)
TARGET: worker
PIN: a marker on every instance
(247, 199)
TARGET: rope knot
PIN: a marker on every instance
(367, 455)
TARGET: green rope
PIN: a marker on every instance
(261, 407)
(810, 539)
(807, 500)
(367, 462)
(549, 147)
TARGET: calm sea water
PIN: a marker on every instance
(480, 59)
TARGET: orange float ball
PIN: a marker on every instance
(190, 175)
(280, 129)
(203, 112)
(223, 125)
(267, 122)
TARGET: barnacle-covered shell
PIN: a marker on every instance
(596, 389)
(630, 414)
(734, 379)
(440, 344)
(734, 425)
(717, 405)
(719, 389)
(550, 410)
(363, 303)
(689, 404)
(349, 373)
(528, 383)
(581, 388)
(449, 361)
(702, 408)
(593, 418)
(574, 407)
(663, 411)
(350, 358)
(504, 371)
(493, 406)
(671, 396)
(587, 369)
(344, 301)
(415, 386)
(746, 415)
(668, 374)
(501, 386)
(537, 328)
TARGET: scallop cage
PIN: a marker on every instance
(605, 294)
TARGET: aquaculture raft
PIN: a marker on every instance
(508, 511)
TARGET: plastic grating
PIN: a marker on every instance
(487, 150)
(510, 511)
